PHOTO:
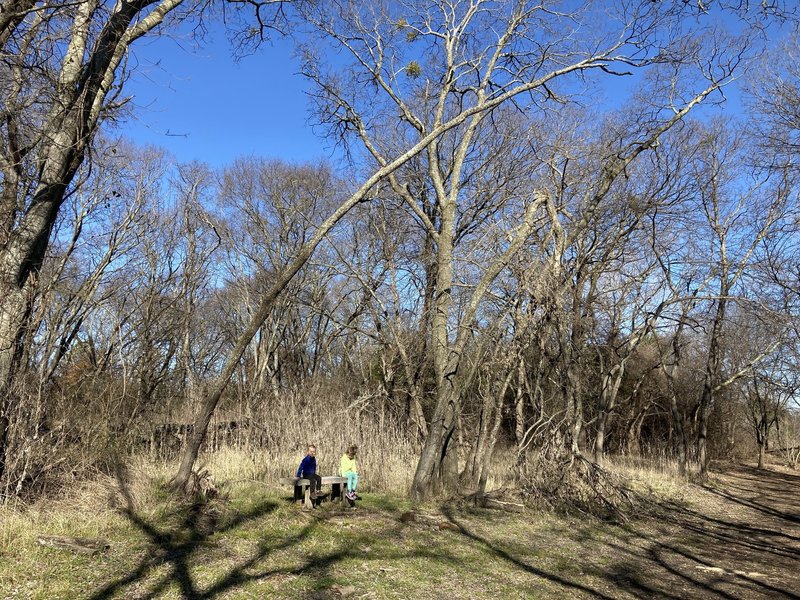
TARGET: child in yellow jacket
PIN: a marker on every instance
(349, 468)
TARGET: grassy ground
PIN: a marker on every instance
(738, 537)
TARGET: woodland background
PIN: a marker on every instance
(508, 277)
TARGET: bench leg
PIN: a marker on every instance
(307, 500)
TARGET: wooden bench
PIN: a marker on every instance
(302, 488)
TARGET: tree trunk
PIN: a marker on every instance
(678, 421)
(417, 426)
(634, 434)
(415, 416)
(491, 415)
(762, 439)
(484, 458)
(711, 376)
(442, 427)
(5, 424)
(608, 399)
(573, 416)
(14, 310)
(519, 402)
(436, 447)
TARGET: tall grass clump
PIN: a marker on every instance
(89, 508)
(271, 440)
(656, 475)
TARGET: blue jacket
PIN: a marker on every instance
(308, 465)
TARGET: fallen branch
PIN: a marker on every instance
(80, 545)
(492, 500)
(487, 502)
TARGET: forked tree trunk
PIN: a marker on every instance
(633, 434)
(608, 400)
(711, 376)
(487, 440)
(762, 440)
(427, 477)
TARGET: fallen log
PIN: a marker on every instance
(492, 500)
(80, 545)
(778, 450)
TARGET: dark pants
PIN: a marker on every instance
(315, 481)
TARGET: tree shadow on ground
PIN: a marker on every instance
(683, 553)
(670, 565)
(174, 547)
(757, 487)
(752, 551)
(519, 561)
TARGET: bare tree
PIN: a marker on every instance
(95, 236)
(61, 68)
(271, 210)
(767, 395)
(774, 94)
(731, 251)
(466, 72)
(481, 58)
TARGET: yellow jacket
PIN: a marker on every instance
(348, 464)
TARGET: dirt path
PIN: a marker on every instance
(740, 538)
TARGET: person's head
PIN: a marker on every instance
(351, 451)
(312, 450)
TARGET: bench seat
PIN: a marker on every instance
(302, 487)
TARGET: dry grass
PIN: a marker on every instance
(275, 441)
(83, 512)
(246, 468)
(656, 476)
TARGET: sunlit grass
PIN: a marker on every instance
(659, 476)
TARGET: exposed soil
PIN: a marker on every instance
(738, 539)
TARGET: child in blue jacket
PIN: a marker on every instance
(308, 470)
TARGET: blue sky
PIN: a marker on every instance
(201, 104)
